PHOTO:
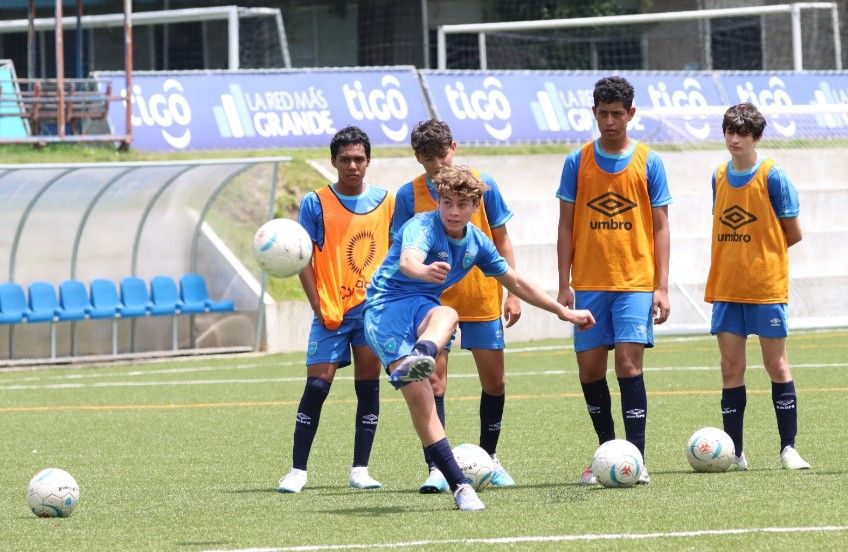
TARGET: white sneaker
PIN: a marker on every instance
(435, 483)
(587, 477)
(791, 460)
(466, 499)
(361, 479)
(500, 477)
(738, 463)
(644, 478)
(292, 482)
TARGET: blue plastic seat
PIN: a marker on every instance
(135, 299)
(195, 296)
(104, 299)
(164, 297)
(43, 305)
(73, 300)
(13, 304)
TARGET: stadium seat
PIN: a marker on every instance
(13, 310)
(44, 307)
(73, 301)
(105, 304)
(195, 296)
(165, 300)
(135, 299)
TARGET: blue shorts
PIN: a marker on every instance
(391, 329)
(747, 318)
(333, 346)
(620, 317)
(488, 334)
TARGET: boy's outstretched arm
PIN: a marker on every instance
(412, 265)
(536, 296)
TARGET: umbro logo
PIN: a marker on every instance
(369, 419)
(635, 413)
(776, 322)
(785, 404)
(593, 409)
(736, 217)
(442, 254)
(302, 418)
(611, 204)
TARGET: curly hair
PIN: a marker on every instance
(431, 138)
(744, 119)
(613, 89)
(460, 181)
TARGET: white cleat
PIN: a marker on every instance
(292, 482)
(644, 478)
(587, 477)
(466, 499)
(361, 479)
(738, 463)
(791, 460)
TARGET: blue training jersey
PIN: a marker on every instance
(782, 194)
(612, 163)
(426, 233)
(497, 211)
(311, 217)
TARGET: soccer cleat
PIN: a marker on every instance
(466, 499)
(293, 482)
(500, 477)
(738, 463)
(414, 367)
(791, 460)
(588, 478)
(644, 478)
(436, 483)
(361, 479)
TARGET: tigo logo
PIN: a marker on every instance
(385, 104)
(489, 105)
(163, 111)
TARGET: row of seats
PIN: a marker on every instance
(102, 300)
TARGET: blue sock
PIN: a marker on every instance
(306, 422)
(491, 415)
(634, 409)
(733, 402)
(426, 347)
(442, 455)
(598, 403)
(785, 407)
(367, 414)
(440, 412)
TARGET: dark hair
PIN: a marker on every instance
(350, 136)
(431, 138)
(613, 89)
(744, 119)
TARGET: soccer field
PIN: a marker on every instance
(185, 455)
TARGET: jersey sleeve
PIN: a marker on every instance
(404, 208)
(416, 234)
(496, 208)
(310, 217)
(488, 259)
(782, 194)
(657, 181)
(567, 190)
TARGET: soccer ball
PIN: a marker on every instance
(52, 493)
(617, 463)
(710, 450)
(282, 247)
(476, 464)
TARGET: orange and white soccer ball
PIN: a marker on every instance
(617, 463)
(282, 247)
(710, 450)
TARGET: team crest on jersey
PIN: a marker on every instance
(313, 348)
(390, 345)
(468, 259)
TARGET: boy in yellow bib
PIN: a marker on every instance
(755, 221)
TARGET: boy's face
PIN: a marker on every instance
(432, 165)
(612, 119)
(350, 163)
(739, 145)
(455, 212)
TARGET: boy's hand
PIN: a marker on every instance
(581, 318)
(436, 272)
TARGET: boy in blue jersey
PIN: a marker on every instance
(407, 326)
(755, 221)
(348, 222)
(477, 299)
(613, 251)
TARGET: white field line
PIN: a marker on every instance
(552, 538)
(299, 379)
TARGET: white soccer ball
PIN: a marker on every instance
(53, 493)
(710, 450)
(282, 247)
(476, 464)
(617, 463)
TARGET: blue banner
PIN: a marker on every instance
(557, 106)
(195, 111)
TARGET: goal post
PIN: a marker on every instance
(794, 11)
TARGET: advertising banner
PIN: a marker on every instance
(557, 106)
(240, 110)
(777, 90)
